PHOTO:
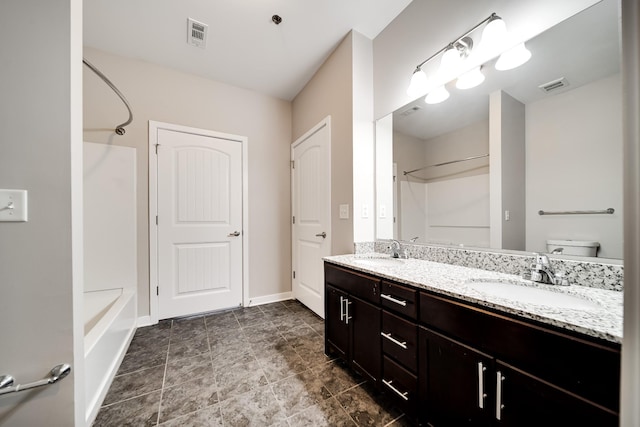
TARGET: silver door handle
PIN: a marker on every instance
(481, 393)
(499, 405)
(234, 234)
(347, 303)
(57, 373)
(323, 235)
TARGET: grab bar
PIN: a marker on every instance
(57, 373)
(605, 211)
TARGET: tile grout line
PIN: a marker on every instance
(164, 376)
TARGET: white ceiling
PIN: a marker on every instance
(244, 47)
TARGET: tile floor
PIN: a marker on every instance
(257, 366)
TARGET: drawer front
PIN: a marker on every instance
(401, 384)
(400, 299)
(588, 369)
(400, 340)
(357, 284)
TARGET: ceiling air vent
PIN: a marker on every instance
(197, 33)
(554, 85)
(409, 111)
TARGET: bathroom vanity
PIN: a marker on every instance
(448, 353)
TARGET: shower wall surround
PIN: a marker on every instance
(603, 275)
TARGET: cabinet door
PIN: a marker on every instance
(335, 327)
(455, 381)
(366, 351)
(524, 400)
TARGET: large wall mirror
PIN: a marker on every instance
(546, 136)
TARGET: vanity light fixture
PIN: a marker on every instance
(452, 63)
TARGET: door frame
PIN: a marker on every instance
(154, 127)
(326, 122)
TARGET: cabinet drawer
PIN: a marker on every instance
(356, 284)
(400, 299)
(589, 369)
(399, 340)
(401, 384)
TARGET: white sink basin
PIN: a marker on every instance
(532, 295)
(379, 262)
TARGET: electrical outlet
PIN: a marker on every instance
(383, 211)
(344, 211)
(365, 211)
(507, 215)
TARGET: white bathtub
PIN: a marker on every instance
(110, 322)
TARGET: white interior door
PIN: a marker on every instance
(199, 231)
(311, 188)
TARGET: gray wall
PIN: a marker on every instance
(40, 260)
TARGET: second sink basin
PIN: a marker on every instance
(532, 295)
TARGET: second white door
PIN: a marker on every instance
(311, 188)
(199, 223)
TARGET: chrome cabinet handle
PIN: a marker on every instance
(395, 390)
(323, 235)
(392, 299)
(499, 405)
(346, 310)
(341, 308)
(234, 234)
(481, 393)
(388, 336)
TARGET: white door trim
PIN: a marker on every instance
(154, 127)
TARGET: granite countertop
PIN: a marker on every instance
(601, 317)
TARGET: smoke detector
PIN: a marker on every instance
(197, 33)
(554, 85)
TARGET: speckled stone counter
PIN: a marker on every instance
(602, 319)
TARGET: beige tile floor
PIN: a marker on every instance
(257, 366)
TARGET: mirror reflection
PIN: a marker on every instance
(476, 169)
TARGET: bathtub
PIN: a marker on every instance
(110, 322)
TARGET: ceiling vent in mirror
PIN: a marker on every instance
(554, 85)
(197, 33)
(409, 111)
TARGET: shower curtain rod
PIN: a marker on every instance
(445, 163)
(120, 128)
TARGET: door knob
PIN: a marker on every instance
(234, 234)
(323, 235)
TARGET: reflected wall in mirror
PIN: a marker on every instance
(552, 130)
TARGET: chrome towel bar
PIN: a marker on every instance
(605, 211)
(57, 373)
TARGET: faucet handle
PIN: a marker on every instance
(541, 259)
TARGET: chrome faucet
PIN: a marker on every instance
(543, 272)
(396, 250)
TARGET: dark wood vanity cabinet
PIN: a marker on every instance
(447, 362)
(482, 368)
(352, 320)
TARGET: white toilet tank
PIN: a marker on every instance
(574, 247)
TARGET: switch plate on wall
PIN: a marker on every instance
(344, 211)
(13, 205)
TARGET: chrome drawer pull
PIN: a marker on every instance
(388, 336)
(392, 299)
(341, 308)
(396, 391)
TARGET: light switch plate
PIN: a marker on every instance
(344, 211)
(13, 205)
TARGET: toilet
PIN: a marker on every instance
(574, 247)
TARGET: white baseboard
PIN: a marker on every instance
(144, 321)
(266, 299)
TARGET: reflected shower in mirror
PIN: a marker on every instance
(552, 130)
